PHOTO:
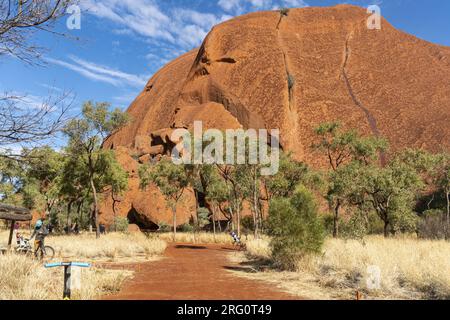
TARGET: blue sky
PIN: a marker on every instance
(123, 42)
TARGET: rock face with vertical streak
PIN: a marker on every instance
(290, 71)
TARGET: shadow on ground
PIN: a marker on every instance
(182, 246)
(252, 266)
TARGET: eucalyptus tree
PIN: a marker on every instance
(341, 148)
(171, 179)
(86, 136)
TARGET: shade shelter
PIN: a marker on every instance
(14, 214)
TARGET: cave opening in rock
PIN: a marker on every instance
(201, 199)
(141, 221)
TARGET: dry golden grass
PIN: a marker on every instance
(204, 237)
(410, 269)
(116, 247)
(201, 237)
(23, 278)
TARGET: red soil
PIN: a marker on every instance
(194, 272)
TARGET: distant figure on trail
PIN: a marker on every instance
(235, 237)
(102, 229)
(40, 232)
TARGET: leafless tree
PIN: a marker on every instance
(21, 122)
(21, 19)
(25, 123)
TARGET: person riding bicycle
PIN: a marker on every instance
(235, 237)
(40, 232)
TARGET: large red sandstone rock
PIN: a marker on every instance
(382, 82)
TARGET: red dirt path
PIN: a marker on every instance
(190, 272)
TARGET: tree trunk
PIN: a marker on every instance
(69, 208)
(214, 220)
(94, 193)
(447, 225)
(80, 214)
(114, 210)
(238, 218)
(448, 206)
(174, 215)
(218, 223)
(11, 232)
(232, 216)
(255, 205)
(336, 220)
(386, 227)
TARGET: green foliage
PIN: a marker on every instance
(187, 227)
(347, 154)
(42, 180)
(11, 176)
(289, 176)
(295, 228)
(94, 168)
(341, 147)
(163, 227)
(284, 12)
(202, 217)
(291, 81)
(432, 225)
(171, 179)
(121, 224)
(248, 224)
(391, 192)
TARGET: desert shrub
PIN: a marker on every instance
(291, 81)
(355, 228)
(164, 227)
(432, 225)
(247, 224)
(121, 224)
(187, 227)
(202, 217)
(284, 11)
(295, 228)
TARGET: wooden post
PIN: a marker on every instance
(11, 232)
(67, 280)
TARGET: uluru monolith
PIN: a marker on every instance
(290, 71)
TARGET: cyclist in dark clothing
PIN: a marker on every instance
(40, 232)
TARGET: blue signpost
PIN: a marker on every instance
(67, 274)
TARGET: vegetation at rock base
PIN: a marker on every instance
(295, 228)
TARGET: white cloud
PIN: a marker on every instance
(100, 73)
(182, 27)
(231, 6)
(237, 7)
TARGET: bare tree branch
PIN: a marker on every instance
(21, 19)
(22, 123)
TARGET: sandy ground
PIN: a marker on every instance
(190, 272)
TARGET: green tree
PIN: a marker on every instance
(11, 175)
(441, 174)
(291, 173)
(343, 148)
(216, 191)
(74, 185)
(391, 191)
(295, 228)
(85, 143)
(42, 177)
(116, 178)
(171, 179)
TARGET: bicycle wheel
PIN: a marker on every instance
(49, 252)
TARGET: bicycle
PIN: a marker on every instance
(24, 247)
(237, 243)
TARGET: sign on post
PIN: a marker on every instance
(68, 275)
